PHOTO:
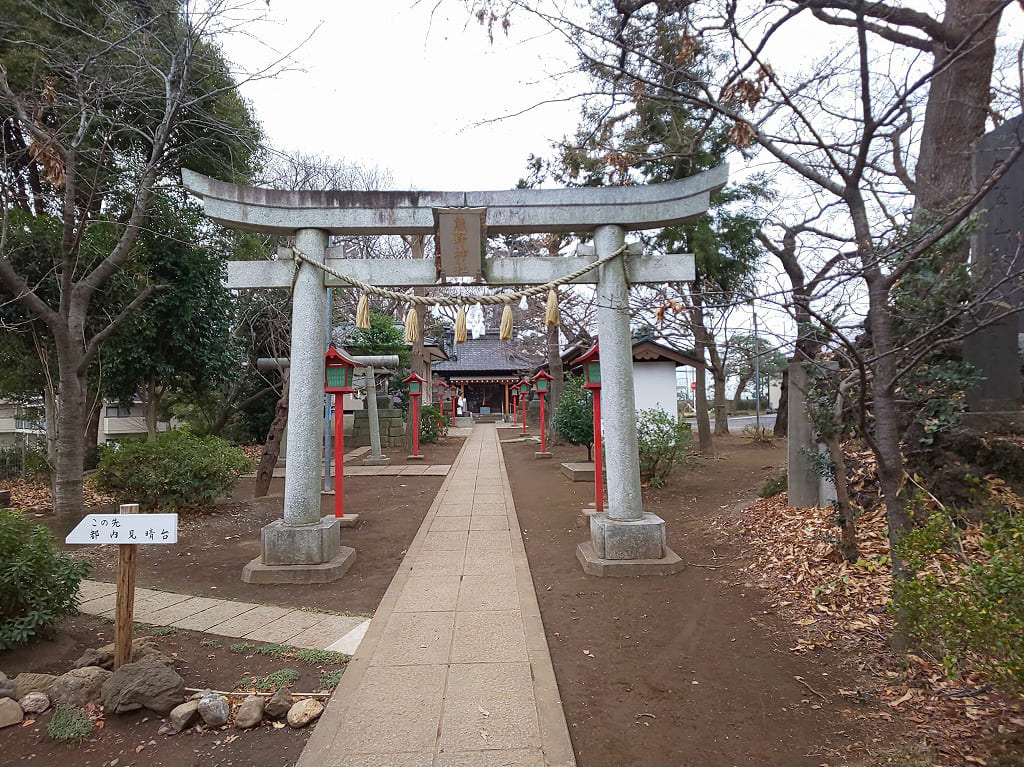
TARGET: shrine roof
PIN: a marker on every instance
(486, 353)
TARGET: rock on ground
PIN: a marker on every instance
(6, 686)
(27, 682)
(181, 716)
(80, 686)
(249, 713)
(214, 709)
(146, 684)
(304, 712)
(10, 712)
(280, 703)
(34, 703)
(143, 648)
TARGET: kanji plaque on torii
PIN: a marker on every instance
(461, 233)
(625, 540)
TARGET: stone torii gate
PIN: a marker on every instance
(303, 547)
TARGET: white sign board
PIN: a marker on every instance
(126, 528)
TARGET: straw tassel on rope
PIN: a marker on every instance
(551, 313)
(460, 326)
(363, 313)
(506, 324)
(412, 326)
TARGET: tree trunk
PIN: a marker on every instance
(844, 509)
(272, 447)
(740, 386)
(958, 104)
(782, 414)
(557, 379)
(50, 414)
(92, 432)
(700, 404)
(153, 396)
(721, 410)
(70, 463)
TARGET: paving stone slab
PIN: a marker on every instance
(211, 616)
(104, 605)
(421, 759)
(486, 522)
(489, 706)
(349, 643)
(492, 562)
(252, 620)
(489, 637)
(428, 593)
(176, 612)
(445, 541)
(154, 601)
(285, 628)
(437, 562)
(410, 695)
(437, 470)
(88, 590)
(326, 632)
(490, 510)
(519, 757)
(416, 639)
(488, 592)
(482, 540)
(450, 524)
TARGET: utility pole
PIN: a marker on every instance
(757, 370)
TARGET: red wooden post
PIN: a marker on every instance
(598, 455)
(543, 441)
(455, 397)
(416, 425)
(522, 408)
(339, 455)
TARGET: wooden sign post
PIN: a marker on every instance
(127, 529)
(126, 553)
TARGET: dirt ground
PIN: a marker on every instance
(214, 547)
(684, 670)
(203, 660)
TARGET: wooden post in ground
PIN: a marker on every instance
(126, 553)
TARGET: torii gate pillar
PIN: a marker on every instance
(304, 547)
(625, 540)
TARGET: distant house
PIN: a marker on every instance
(24, 425)
(484, 368)
(654, 371)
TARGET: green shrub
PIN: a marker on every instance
(177, 470)
(574, 419)
(23, 463)
(70, 723)
(967, 609)
(663, 441)
(38, 584)
(774, 485)
(331, 679)
(433, 425)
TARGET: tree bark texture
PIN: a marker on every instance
(272, 447)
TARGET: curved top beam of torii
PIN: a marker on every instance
(513, 211)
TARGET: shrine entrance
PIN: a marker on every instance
(303, 547)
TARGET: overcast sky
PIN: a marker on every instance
(384, 84)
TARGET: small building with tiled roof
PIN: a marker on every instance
(484, 368)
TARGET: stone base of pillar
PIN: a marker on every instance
(539, 454)
(258, 572)
(376, 460)
(615, 539)
(415, 457)
(314, 544)
(669, 564)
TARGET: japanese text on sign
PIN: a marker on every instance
(126, 528)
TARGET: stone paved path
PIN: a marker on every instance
(454, 670)
(244, 620)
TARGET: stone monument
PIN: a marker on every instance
(997, 254)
